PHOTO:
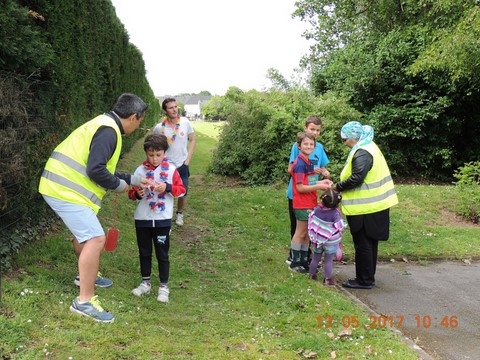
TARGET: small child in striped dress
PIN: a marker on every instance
(325, 229)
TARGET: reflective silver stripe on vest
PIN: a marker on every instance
(71, 185)
(375, 184)
(69, 162)
(369, 199)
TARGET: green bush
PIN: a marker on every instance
(260, 129)
(468, 189)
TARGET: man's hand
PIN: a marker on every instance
(144, 182)
(324, 184)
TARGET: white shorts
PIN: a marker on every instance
(81, 220)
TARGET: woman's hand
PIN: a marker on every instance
(324, 184)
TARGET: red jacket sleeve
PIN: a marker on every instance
(178, 189)
(132, 193)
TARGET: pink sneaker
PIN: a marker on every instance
(329, 282)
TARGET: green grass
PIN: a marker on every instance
(232, 296)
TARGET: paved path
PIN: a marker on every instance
(439, 304)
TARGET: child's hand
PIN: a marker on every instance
(144, 182)
(322, 171)
(149, 185)
(160, 187)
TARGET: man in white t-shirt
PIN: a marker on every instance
(181, 140)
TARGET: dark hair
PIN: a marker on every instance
(166, 101)
(331, 198)
(313, 119)
(155, 142)
(129, 104)
(302, 135)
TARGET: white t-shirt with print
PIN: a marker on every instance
(177, 150)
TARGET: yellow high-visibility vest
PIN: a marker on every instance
(377, 192)
(65, 176)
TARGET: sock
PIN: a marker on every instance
(296, 256)
(328, 265)
(304, 247)
(304, 257)
(314, 264)
(164, 285)
(146, 279)
(296, 253)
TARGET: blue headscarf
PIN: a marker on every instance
(355, 130)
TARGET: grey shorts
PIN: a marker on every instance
(82, 221)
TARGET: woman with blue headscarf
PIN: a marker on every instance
(368, 194)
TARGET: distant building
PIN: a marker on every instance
(193, 104)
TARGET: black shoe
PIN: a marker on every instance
(299, 267)
(355, 284)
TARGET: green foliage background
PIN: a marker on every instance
(61, 64)
(260, 129)
(411, 67)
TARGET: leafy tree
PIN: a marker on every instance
(215, 109)
(410, 67)
(278, 80)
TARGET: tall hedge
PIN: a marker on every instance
(61, 64)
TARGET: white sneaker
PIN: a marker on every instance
(163, 293)
(142, 289)
(179, 219)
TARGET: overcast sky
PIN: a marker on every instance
(194, 45)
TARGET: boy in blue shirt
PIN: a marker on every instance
(313, 126)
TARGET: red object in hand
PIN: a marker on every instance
(112, 239)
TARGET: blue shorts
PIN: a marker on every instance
(184, 172)
(81, 220)
(325, 248)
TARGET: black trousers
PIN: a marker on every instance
(293, 219)
(158, 237)
(367, 230)
(366, 252)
